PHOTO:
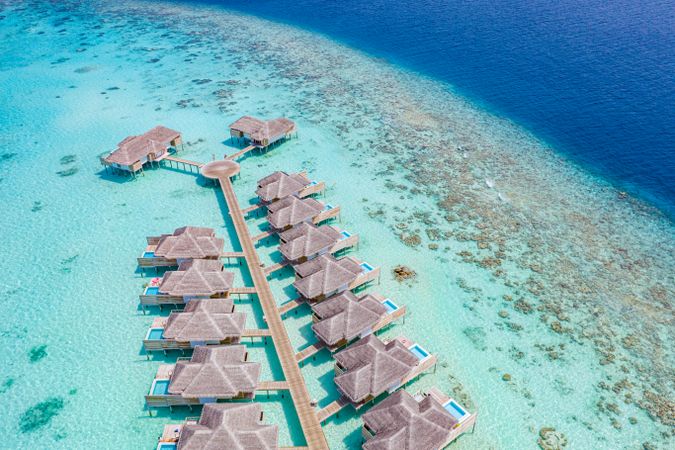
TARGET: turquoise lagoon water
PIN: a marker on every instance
(525, 264)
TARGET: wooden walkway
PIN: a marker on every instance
(187, 164)
(309, 351)
(272, 386)
(274, 267)
(290, 306)
(331, 409)
(301, 400)
(256, 332)
(243, 290)
(240, 153)
(232, 255)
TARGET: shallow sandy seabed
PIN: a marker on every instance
(527, 266)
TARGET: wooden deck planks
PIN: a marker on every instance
(301, 400)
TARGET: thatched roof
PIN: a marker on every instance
(186, 246)
(279, 185)
(134, 148)
(229, 426)
(247, 124)
(197, 278)
(194, 231)
(291, 211)
(219, 371)
(305, 240)
(401, 422)
(325, 275)
(260, 130)
(372, 367)
(205, 320)
(345, 316)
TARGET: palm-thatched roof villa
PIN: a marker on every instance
(324, 276)
(202, 322)
(212, 374)
(184, 244)
(345, 317)
(306, 241)
(422, 422)
(279, 185)
(291, 211)
(370, 367)
(262, 133)
(194, 279)
(135, 151)
(221, 426)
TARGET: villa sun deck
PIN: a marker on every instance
(370, 368)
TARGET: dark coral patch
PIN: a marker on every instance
(41, 414)
(37, 353)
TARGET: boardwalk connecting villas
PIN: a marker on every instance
(344, 322)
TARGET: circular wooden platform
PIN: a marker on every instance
(218, 169)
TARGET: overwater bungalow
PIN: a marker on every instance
(324, 276)
(135, 151)
(306, 241)
(202, 322)
(428, 421)
(279, 185)
(212, 374)
(370, 367)
(188, 229)
(171, 250)
(262, 133)
(194, 279)
(223, 425)
(291, 211)
(344, 317)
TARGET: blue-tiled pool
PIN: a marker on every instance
(167, 446)
(160, 387)
(148, 254)
(418, 351)
(156, 334)
(346, 234)
(391, 306)
(152, 290)
(366, 267)
(453, 408)
(312, 183)
(327, 206)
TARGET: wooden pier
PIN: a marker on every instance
(333, 408)
(241, 153)
(187, 165)
(273, 268)
(299, 394)
(309, 351)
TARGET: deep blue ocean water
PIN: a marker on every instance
(596, 79)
